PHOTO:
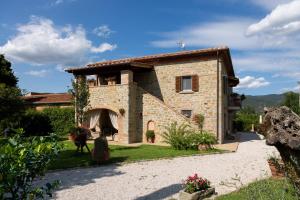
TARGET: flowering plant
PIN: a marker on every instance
(195, 183)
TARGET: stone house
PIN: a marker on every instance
(150, 92)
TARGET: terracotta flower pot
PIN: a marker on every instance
(196, 195)
(203, 147)
(275, 171)
(151, 140)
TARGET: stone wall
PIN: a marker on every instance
(150, 108)
(113, 97)
(161, 83)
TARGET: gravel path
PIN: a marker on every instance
(160, 179)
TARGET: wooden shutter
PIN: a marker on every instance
(195, 83)
(178, 83)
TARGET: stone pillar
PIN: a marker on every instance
(126, 77)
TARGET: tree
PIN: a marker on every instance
(22, 159)
(11, 105)
(291, 100)
(80, 93)
(6, 73)
(245, 118)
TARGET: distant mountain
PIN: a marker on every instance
(259, 102)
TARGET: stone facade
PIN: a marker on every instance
(151, 97)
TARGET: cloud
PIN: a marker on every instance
(103, 47)
(269, 4)
(103, 31)
(217, 33)
(38, 73)
(251, 82)
(285, 18)
(41, 42)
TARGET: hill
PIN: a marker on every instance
(259, 102)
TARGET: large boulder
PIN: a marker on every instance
(281, 128)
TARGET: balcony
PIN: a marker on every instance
(235, 102)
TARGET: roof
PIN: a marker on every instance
(148, 61)
(48, 98)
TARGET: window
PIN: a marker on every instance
(187, 113)
(186, 83)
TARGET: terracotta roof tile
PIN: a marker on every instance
(147, 58)
(48, 98)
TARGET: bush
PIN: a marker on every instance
(183, 137)
(35, 123)
(245, 118)
(51, 120)
(21, 161)
(61, 120)
(204, 138)
(150, 134)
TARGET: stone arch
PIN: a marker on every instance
(120, 119)
(151, 125)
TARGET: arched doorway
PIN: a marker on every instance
(103, 120)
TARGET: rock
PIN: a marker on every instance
(281, 128)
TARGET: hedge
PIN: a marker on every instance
(61, 119)
(35, 123)
(50, 120)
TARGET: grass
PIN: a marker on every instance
(268, 189)
(68, 158)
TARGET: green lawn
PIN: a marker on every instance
(268, 189)
(68, 158)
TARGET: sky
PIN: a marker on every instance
(43, 37)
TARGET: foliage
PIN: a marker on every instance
(205, 138)
(21, 161)
(199, 120)
(194, 184)
(35, 123)
(275, 189)
(183, 137)
(150, 134)
(245, 118)
(67, 158)
(6, 73)
(61, 120)
(291, 100)
(80, 93)
(11, 105)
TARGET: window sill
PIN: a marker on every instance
(186, 92)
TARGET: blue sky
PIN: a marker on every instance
(42, 37)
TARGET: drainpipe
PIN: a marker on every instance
(218, 109)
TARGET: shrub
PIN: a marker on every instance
(183, 137)
(176, 135)
(245, 118)
(194, 184)
(21, 161)
(199, 120)
(150, 134)
(61, 120)
(35, 123)
(204, 138)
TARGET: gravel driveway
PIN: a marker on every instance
(160, 179)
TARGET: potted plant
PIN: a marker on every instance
(195, 188)
(150, 135)
(276, 166)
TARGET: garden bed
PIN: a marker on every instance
(68, 158)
